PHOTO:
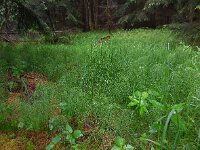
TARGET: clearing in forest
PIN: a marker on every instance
(140, 85)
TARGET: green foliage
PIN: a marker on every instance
(33, 14)
(198, 7)
(6, 112)
(12, 85)
(120, 144)
(96, 81)
(42, 14)
(4, 17)
(141, 100)
(18, 69)
(57, 39)
(37, 113)
(189, 32)
(132, 12)
(160, 127)
(68, 136)
(30, 146)
(3, 67)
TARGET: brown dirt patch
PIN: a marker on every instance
(26, 85)
(40, 139)
(31, 80)
(26, 140)
(13, 97)
(107, 141)
(90, 125)
(12, 144)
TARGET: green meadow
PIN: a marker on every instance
(141, 85)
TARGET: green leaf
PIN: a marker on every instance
(76, 147)
(145, 95)
(120, 142)
(137, 94)
(56, 139)
(116, 148)
(21, 125)
(198, 7)
(155, 127)
(77, 134)
(143, 110)
(69, 128)
(153, 93)
(152, 148)
(51, 127)
(63, 106)
(131, 98)
(178, 107)
(132, 103)
(71, 139)
(128, 147)
(50, 146)
(176, 119)
(157, 104)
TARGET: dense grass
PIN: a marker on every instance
(96, 80)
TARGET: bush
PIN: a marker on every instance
(189, 32)
(57, 39)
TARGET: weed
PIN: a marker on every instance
(141, 100)
(120, 144)
(12, 86)
(67, 136)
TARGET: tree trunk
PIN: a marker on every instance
(90, 14)
(6, 15)
(109, 15)
(95, 13)
(85, 15)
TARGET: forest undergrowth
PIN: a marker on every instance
(136, 89)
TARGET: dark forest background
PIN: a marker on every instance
(52, 15)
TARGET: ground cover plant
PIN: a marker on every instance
(139, 86)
